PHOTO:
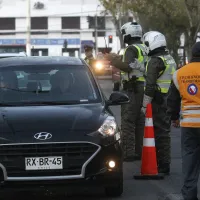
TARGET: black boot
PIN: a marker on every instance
(164, 169)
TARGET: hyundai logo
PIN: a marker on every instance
(43, 136)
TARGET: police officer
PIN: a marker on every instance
(159, 70)
(131, 65)
(89, 58)
(185, 92)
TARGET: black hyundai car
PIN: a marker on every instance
(56, 128)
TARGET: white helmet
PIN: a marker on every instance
(131, 28)
(154, 40)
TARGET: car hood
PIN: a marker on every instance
(20, 124)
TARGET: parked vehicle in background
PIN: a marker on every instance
(102, 67)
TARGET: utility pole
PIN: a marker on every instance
(80, 49)
(96, 36)
(28, 21)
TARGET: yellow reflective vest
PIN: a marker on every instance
(187, 81)
(142, 58)
(165, 76)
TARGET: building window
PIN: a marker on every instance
(99, 34)
(101, 25)
(70, 22)
(36, 52)
(7, 33)
(69, 33)
(71, 52)
(39, 23)
(7, 23)
(12, 49)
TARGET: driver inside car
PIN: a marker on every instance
(61, 82)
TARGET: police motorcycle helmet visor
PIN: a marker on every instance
(146, 43)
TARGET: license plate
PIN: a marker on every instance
(43, 163)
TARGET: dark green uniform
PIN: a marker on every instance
(132, 120)
(159, 72)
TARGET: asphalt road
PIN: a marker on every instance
(149, 189)
(167, 189)
(133, 189)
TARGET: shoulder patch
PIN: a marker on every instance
(192, 89)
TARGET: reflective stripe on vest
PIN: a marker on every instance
(142, 59)
(124, 75)
(165, 78)
(187, 81)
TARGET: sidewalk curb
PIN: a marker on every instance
(171, 197)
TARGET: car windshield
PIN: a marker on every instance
(47, 84)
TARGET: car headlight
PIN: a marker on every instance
(99, 66)
(109, 127)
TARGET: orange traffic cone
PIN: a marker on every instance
(149, 168)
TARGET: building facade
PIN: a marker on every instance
(52, 23)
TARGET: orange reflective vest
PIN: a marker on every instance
(187, 81)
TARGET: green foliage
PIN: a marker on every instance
(192, 8)
(171, 17)
(119, 11)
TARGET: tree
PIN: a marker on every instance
(118, 9)
(192, 8)
(163, 16)
(173, 18)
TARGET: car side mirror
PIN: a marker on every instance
(117, 98)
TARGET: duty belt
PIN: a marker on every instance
(130, 85)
